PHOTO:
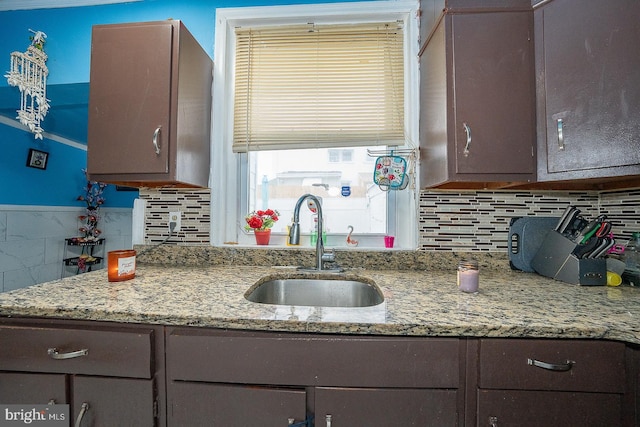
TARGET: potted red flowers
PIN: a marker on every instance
(261, 222)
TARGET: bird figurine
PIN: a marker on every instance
(350, 241)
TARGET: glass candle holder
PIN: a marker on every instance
(121, 265)
(468, 276)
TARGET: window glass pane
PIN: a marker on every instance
(334, 155)
(279, 178)
(347, 155)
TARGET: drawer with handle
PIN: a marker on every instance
(118, 352)
(550, 364)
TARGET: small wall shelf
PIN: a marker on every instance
(81, 256)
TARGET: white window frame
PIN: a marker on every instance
(227, 178)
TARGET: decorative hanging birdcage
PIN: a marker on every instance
(29, 73)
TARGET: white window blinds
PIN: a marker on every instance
(318, 86)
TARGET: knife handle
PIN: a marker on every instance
(567, 219)
(588, 231)
(563, 218)
(588, 236)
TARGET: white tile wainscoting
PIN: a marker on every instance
(32, 240)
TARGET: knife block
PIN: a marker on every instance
(555, 259)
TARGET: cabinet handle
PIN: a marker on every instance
(493, 421)
(561, 367)
(306, 423)
(467, 146)
(328, 420)
(156, 134)
(83, 410)
(560, 134)
(54, 353)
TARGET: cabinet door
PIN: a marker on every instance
(200, 404)
(350, 407)
(590, 65)
(19, 388)
(492, 60)
(129, 99)
(113, 402)
(546, 408)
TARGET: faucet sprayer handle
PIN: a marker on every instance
(329, 255)
(294, 234)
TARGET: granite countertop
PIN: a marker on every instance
(417, 303)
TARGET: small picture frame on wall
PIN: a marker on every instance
(37, 159)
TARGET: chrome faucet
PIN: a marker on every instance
(294, 233)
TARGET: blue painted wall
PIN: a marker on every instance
(59, 184)
(68, 48)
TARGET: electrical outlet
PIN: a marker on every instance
(177, 218)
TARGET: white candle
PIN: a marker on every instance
(468, 280)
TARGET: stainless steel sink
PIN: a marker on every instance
(316, 293)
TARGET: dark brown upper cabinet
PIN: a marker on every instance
(477, 89)
(149, 106)
(588, 91)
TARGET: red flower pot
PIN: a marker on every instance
(262, 236)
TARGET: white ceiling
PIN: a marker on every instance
(50, 4)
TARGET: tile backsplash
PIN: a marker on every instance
(448, 220)
(623, 208)
(195, 206)
(479, 220)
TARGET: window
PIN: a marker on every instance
(261, 173)
(347, 156)
(342, 155)
(334, 156)
(282, 176)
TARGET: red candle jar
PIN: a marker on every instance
(121, 265)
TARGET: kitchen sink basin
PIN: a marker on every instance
(316, 293)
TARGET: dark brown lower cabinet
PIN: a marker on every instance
(551, 382)
(241, 378)
(18, 388)
(385, 407)
(199, 404)
(106, 401)
(498, 408)
(140, 375)
(121, 402)
(203, 404)
(109, 374)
